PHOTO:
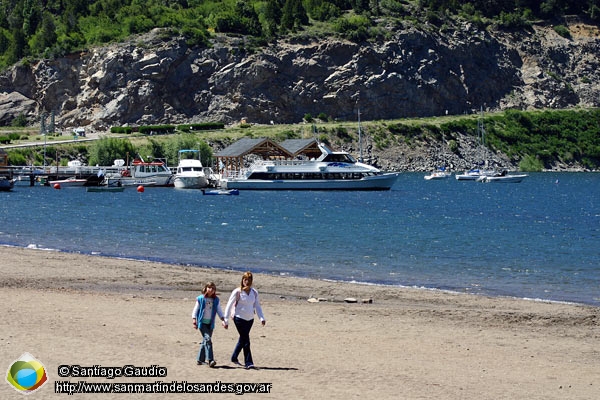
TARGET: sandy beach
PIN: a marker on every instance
(69, 309)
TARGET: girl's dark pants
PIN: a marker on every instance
(243, 327)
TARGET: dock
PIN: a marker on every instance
(33, 174)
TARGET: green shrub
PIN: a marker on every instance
(354, 27)
(453, 146)
(324, 139)
(563, 31)
(196, 37)
(106, 150)
(17, 158)
(531, 163)
(342, 133)
(436, 132)
(156, 129)
(466, 126)
(121, 129)
(20, 120)
(326, 11)
(393, 6)
(205, 126)
(514, 20)
(287, 134)
(409, 131)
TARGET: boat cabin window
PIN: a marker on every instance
(339, 157)
(308, 175)
(152, 168)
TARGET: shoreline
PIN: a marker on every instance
(74, 309)
(292, 276)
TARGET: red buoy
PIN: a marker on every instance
(140, 189)
(56, 186)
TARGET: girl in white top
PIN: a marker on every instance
(242, 305)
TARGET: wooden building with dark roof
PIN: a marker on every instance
(306, 147)
(3, 158)
(232, 158)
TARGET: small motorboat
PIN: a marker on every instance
(6, 183)
(439, 174)
(69, 182)
(506, 178)
(221, 192)
(475, 174)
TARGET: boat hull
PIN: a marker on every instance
(105, 188)
(375, 182)
(156, 180)
(6, 184)
(474, 175)
(503, 179)
(190, 181)
(69, 182)
(221, 192)
(436, 177)
(467, 177)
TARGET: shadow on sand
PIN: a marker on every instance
(257, 368)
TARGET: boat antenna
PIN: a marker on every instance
(314, 132)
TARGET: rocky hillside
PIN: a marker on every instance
(153, 80)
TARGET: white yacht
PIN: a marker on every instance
(190, 173)
(331, 171)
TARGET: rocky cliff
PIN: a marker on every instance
(153, 80)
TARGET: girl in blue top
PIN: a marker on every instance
(206, 309)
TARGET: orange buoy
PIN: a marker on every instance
(140, 189)
(56, 186)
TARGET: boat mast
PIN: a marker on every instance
(45, 133)
(481, 131)
(360, 147)
(481, 128)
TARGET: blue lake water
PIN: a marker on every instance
(538, 239)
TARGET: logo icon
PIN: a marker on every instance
(26, 374)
